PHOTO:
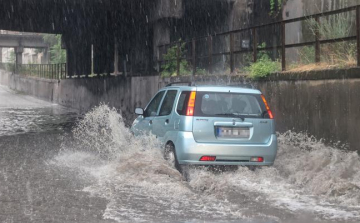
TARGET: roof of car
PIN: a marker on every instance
(215, 88)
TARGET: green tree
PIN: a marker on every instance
(11, 58)
(170, 67)
(58, 55)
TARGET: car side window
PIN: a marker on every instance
(168, 103)
(152, 108)
(183, 100)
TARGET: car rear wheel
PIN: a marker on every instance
(170, 156)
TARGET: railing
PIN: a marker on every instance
(252, 45)
(8, 67)
(48, 71)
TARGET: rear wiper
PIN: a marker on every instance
(232, 115)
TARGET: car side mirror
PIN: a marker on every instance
(139, 111)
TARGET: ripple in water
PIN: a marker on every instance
(307, 177)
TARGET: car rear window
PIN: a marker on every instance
(226, 104)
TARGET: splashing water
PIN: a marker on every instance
(307, 177)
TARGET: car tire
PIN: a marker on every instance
(170, 156)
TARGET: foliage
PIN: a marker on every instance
(334, 26)
(170, 67)
(58, 55)
(263, 66)
(262, 53)
(307, 55)
(11, 58)
(273, 9)
(200, 71)
(331, 27)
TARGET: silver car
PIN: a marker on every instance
(210, 125)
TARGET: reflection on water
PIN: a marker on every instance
(24, 114)
(33, 120)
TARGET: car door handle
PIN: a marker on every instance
(167, 121)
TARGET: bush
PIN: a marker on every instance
(263, 67)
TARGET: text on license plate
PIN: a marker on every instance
(227, 132)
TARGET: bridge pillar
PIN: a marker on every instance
(161, 35)
(18, 52)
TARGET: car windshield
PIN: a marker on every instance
(228, 104)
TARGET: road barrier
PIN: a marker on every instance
(47, 71)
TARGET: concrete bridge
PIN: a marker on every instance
(19, 42)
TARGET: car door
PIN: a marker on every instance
(143, 123)
(164, 122)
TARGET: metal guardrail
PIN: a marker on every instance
(255, 49)
(47, 71)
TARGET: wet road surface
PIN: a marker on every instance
(54, 170)
(32, 190)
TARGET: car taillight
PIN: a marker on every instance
(271, 116)
(257, 159)
(208, 158)
(191, 104)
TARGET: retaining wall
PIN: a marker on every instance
(325, 104)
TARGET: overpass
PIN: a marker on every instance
(19, 42)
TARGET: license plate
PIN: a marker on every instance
(225, 132)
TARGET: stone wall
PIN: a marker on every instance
(322, 103)
(4, 77)
(124, 94)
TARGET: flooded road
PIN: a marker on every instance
(56, 168)
(32, 190)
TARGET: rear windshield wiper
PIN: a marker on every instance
(232, 115)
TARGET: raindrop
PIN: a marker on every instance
(12, 8)
(127, 58)
(53, 26)
(147, 19)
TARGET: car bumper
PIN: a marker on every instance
(189, 151)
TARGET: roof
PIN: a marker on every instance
(215, 88)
